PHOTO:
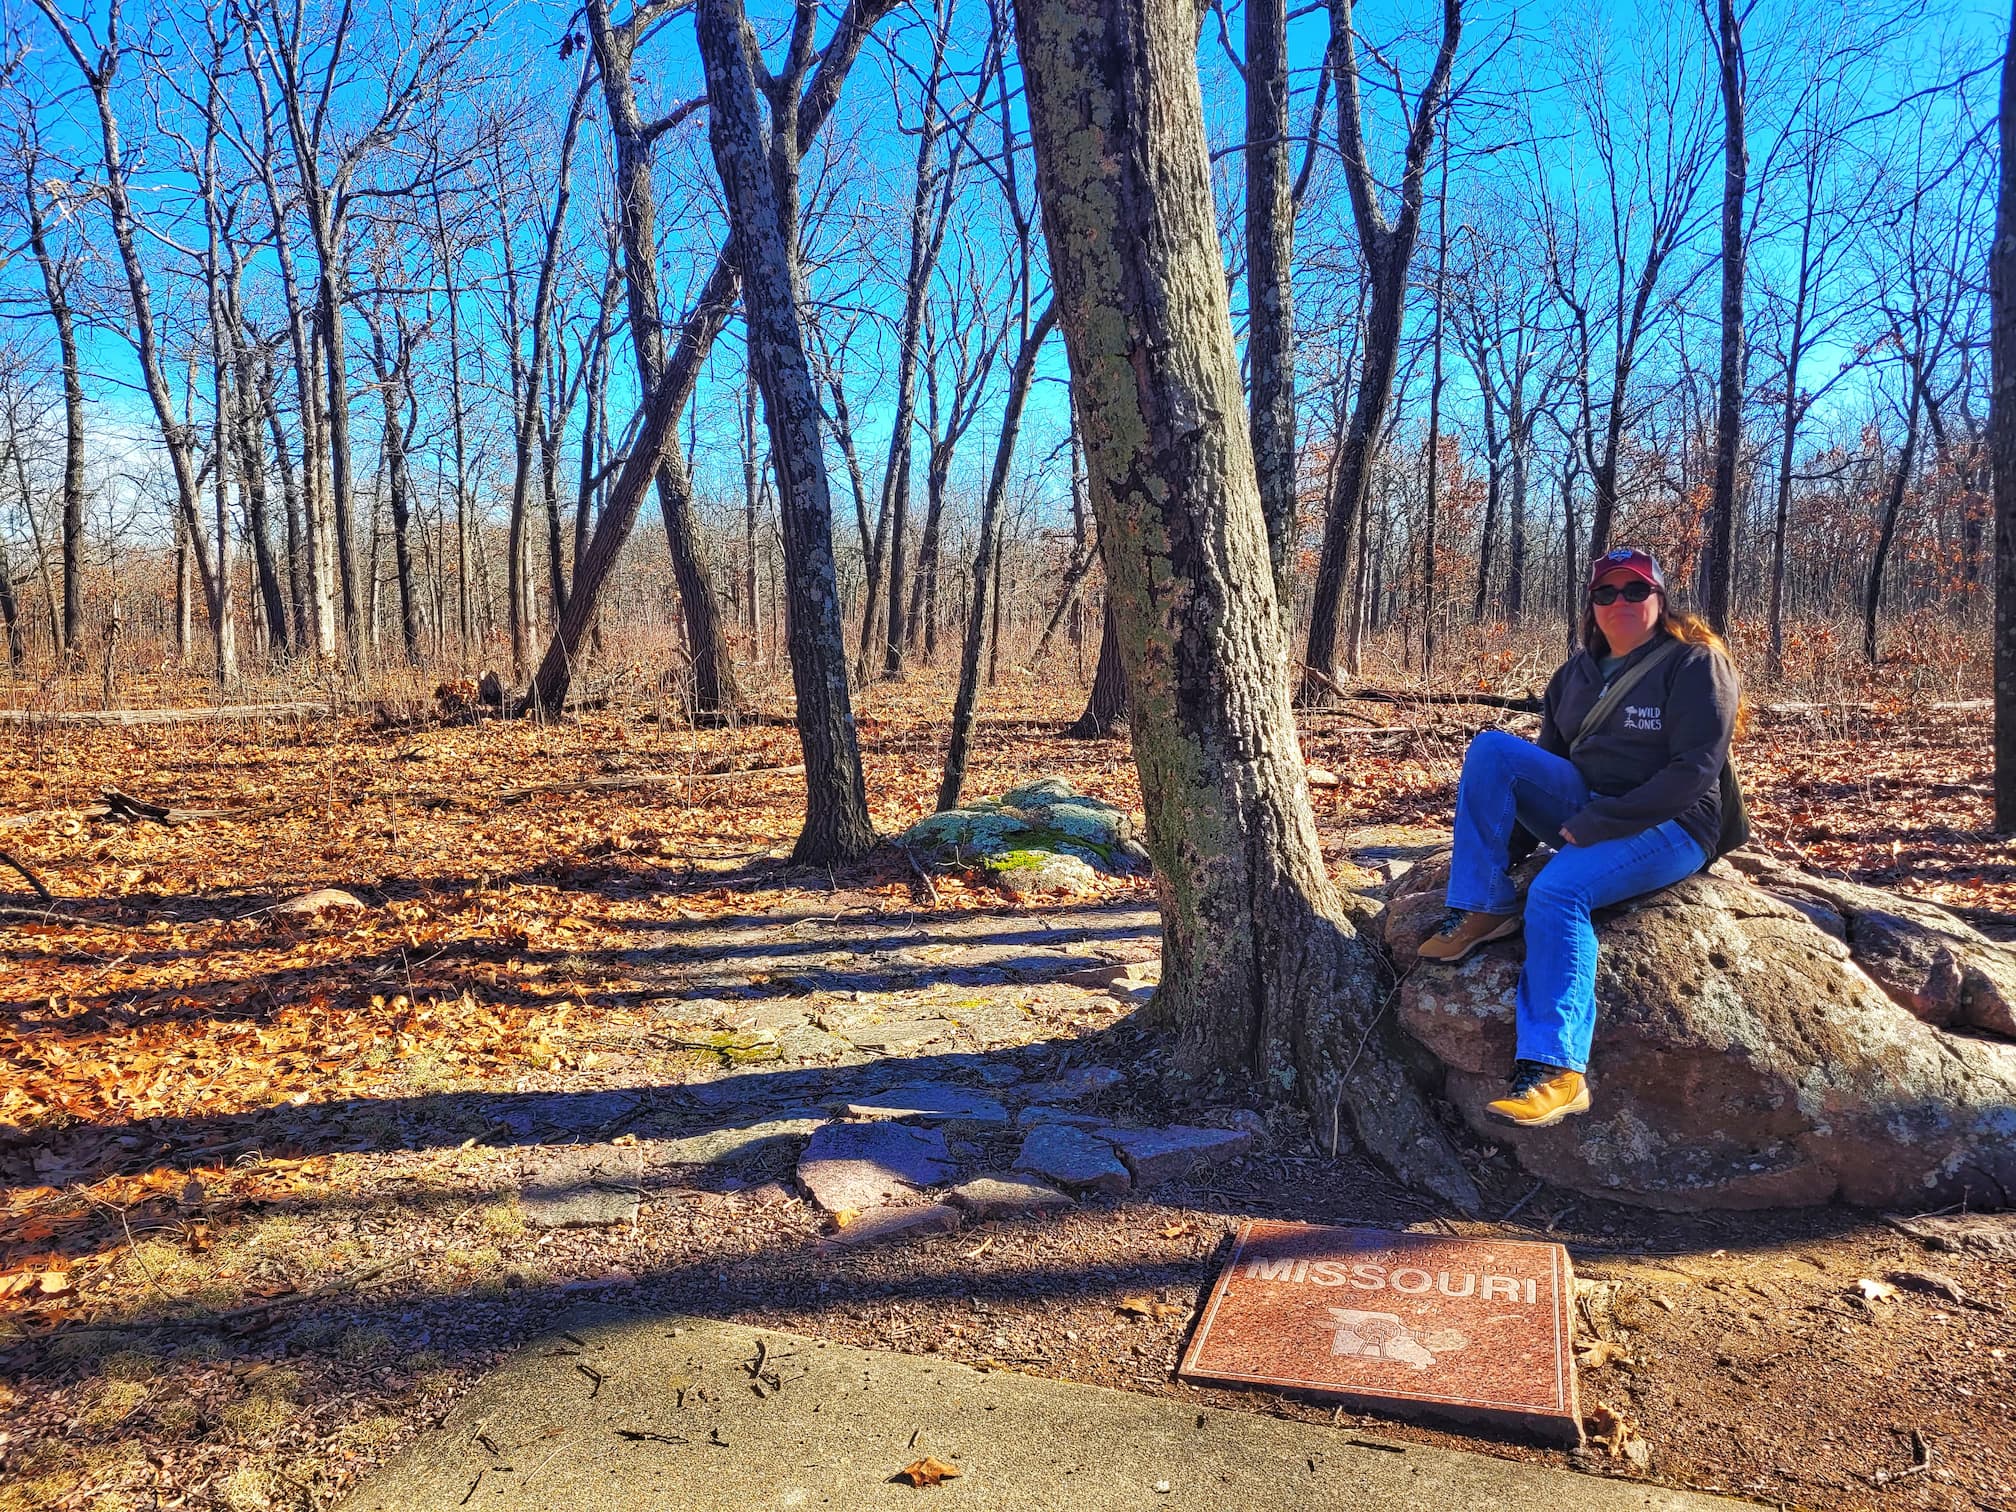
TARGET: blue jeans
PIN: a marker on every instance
(1507, 779)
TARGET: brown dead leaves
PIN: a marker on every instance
(927, 1471)
(1149, 1310)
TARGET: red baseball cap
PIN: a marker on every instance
(1637, 563)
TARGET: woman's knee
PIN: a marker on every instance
(1490, 747)
(1554, 894)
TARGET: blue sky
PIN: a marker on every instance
(1512, 61)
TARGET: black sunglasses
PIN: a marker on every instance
(1631, 593)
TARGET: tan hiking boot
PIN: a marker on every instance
(1463, 931)
(1539, 1101)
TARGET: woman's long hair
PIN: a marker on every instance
(1689, 629)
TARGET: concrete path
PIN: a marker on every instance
(677, 1415)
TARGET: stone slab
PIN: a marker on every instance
(1477, 1329)
(539, 1434)
(898, 1038)
(1072, 1158)
(1153, 1156)
(930, 1102)
(885, 1224)
(991, 1196)
(852, 1167)
(1070, 1086)
(769, 1145)
(1028, 1118)
(526, 1113)
(582, 1186)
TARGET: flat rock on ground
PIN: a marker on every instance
(581, 1186)
(1153, 1156)
(987, 1196)
(589, 1418)
(932, 1103)
(852, 1167)
(1073, 1158)
(768, 1145)
(1074, 1084)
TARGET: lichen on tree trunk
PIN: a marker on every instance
(1262, 969)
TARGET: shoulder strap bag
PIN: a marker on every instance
(1619, 689)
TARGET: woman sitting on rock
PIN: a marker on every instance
(1630, 781)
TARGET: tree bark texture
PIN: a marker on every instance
(2002, 442)
(1270, 297)
(1261, 969)
(837, 827)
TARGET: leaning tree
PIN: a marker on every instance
(1261, 966)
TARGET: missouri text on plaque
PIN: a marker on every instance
(1411, 1323)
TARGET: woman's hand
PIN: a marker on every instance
(1568, 837)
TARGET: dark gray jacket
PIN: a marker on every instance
(1660, 755)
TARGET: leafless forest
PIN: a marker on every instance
(340, 340)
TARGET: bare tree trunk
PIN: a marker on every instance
(250, 450)
(552, 424)
(752, 494)
(529, 392)
(1387, 250)
(925, 239)
(1893, 504)
(762, 193)
(394, 370)
(713, 679)
(994, 635)
(49, 595)
(986, 557)
(1428, 602)
(457, 422)
(1106, 704)
(56, 289)
(315, 610)
(1729, 394)
(1261, 968)
(1494, 473)
(920, 623)
(175, 434)
(10, 612)
(1270, 294)
(2002, 443)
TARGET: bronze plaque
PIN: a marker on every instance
(1409, 1323)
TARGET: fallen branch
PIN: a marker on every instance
(41, 888)
(222, 713)
(629, 780)
(123, 808)
(1524, 703)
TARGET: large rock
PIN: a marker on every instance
(852, 1167)
(1775, 1039)
(1040, 837)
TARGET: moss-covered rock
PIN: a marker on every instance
(1043, 836)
